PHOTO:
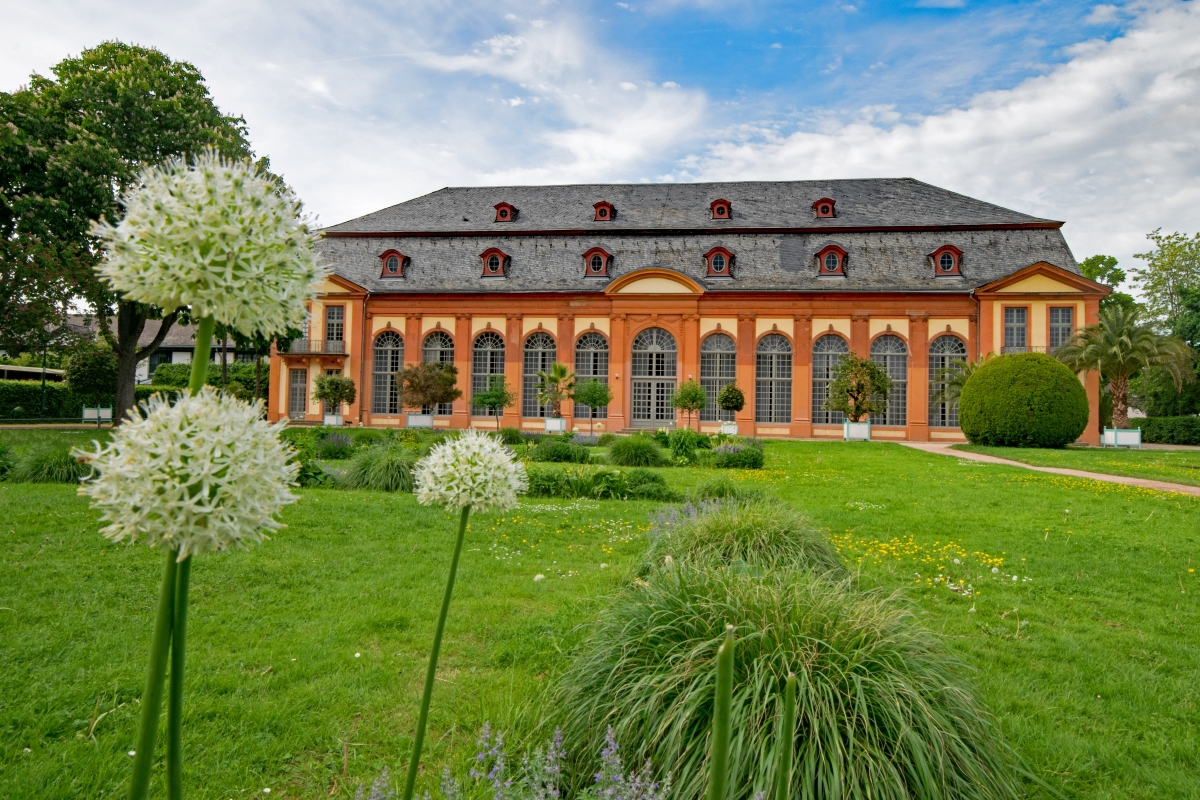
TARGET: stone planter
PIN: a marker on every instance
(418, 420)
(729, 428)
(856, 431)
(333, 420)
(556, 425)
(1121, 437)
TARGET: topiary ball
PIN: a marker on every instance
(1023, 400)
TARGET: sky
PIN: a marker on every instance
(1078, 111)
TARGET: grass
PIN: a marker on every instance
(1092, 666)
(1174, 466)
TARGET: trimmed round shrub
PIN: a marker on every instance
(636, 451)
(646, 484)
(883, 710)
(762, 533)
(733, 455)
(560, 452)
(48, 466)
(547, 482)
(385, 468)
(1023, 400)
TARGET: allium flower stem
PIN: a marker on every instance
(718, 756)
(152, 696)
(175, 688)
(201, 354)
(410, 782)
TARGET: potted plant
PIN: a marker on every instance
(333, 391)
(495, 398)
(690, 398)
(553, 386)
(733, 400)
(427, 385)
(593, 394)
(859, 389)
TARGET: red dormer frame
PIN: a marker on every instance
(396, 268)
(721, 209)
(839, 270)
(497, 268)
(506, 212)
(954, 253)
(726, 265)
(825, 208)
(605, 211)
(605, 259)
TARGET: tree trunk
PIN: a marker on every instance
(131, 322)
(1120, 397)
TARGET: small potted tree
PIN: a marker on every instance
(553, 387)
(733, 400)
(859, 389)
(593, 394)
(496, 398)
(690, 398)
(427, 385)
(333, 391)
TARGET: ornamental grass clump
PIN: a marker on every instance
(636, 451)
(207, 472)
(473, 471)
(384, 468)
(47, 466)
(883, 708)
(762, 532)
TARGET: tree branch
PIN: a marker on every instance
(148, 350)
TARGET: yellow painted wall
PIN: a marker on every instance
(1037, 283)
(584, 324)
(1039, 328)
(820, 327)
(479, 323)
(550, 324)
(429, 323)
(655, 286)
(763, 325)
(878, 326)
(960, 326)
(709, 324)
(379, 324)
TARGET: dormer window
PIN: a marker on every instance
(605, 211)
(596, 262)
(506, 212)
(720, 263)
(823, 208)
(394, 263)
(495, 262)
(831, 262)
(947, 261)
(721, 209)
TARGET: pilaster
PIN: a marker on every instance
(918, 378)
(802, 376)
(745, 372)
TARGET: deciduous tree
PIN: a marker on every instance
(593, 394)
(859, 388)
(1172, 267)
(690, 398)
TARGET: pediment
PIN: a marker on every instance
(1044, 278)
(654, 281)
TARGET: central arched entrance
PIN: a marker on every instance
(653, 379)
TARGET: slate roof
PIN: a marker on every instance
(888, 227)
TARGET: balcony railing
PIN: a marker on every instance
(1027, 349)
(317, 347)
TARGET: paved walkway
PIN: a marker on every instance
(1162, 486)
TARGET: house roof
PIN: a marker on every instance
(864, 204)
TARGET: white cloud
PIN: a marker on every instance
(628, 87)
(776, 46)
(1106, 141)
(941, 3)
(1103, 14)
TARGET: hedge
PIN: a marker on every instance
(23, 400)
(1169, 430)
(1023, 400)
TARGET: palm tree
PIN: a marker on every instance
(554, 386)
(952, 379)
(1120, 346)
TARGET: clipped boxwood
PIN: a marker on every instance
(1169, 430)
(1023, 400)
(23, 399)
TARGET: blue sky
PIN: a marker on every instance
(1086, 112)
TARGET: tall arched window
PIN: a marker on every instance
(718, 366)
(385, 384)
(653, 378)
(591, 363)
(890, 353)
(827, 354)
(487, 360)
(438, 348)
(944, 353)
(539, 355)
(773, 379)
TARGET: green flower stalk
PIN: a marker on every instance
(473, 471)
(787, 739)
(207, 472)
(718, 758)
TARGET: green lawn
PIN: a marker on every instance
(1175, 466)
(1090, 659)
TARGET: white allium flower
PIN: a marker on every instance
(206, 473)
(218, 237)
(474, 470)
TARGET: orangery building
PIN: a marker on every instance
(766, 284)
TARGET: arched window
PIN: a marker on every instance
(438, 348)
(944, 353)
(890, 353)
(539, 355)
(773, 379)
(718, 366)
(827, 354)
(385, 384)
(653, 378)
(487, 360)
(591, 363)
